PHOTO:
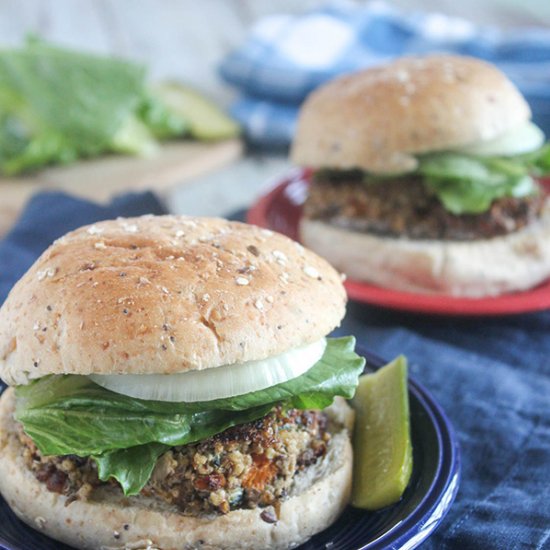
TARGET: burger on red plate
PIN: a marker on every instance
(423, 178)
(172, 387)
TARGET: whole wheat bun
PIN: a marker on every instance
(377, 119)
(165, 294)
(100, 522)
(482, 267)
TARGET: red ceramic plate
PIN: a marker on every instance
(280, 210)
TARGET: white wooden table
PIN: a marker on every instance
(186, 39)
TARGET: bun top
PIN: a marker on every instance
(377, 119)
(165, 294)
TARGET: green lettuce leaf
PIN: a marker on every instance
(72, 415)
(133, 137)
(466, 184)
(537, 162)
(98, 427)
(13, 137)
(48, 147)
(161, 121)
(474, 196)
(131, 467)
(455, 166)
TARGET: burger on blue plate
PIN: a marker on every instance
(173, 387)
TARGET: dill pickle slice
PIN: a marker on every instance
(206, 120)
(381, 439)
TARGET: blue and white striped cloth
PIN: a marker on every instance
(285, 57)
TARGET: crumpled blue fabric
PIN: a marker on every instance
(284, 57)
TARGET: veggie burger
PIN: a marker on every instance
(423, 178)
(172, 387)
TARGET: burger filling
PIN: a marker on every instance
(450, 195)
(250, 465)
(212, 456)
(400, 207)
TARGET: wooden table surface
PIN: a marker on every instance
(187, 39)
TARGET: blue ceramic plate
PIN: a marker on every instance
(404, 525)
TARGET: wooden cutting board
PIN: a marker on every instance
(99, 179)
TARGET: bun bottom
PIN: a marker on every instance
(473, 269)
(110, 521)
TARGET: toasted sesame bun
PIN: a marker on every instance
(377, 119)
(482, 267)
(109, 520)
(165, 294)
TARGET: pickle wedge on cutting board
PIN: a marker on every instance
(206, 120)
(381, 440)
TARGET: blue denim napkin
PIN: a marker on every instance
(491, 375)
(285, 57)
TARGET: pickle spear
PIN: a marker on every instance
(206, 120)
(381, 439)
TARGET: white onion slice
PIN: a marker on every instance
(523, 139)
(216, 383)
